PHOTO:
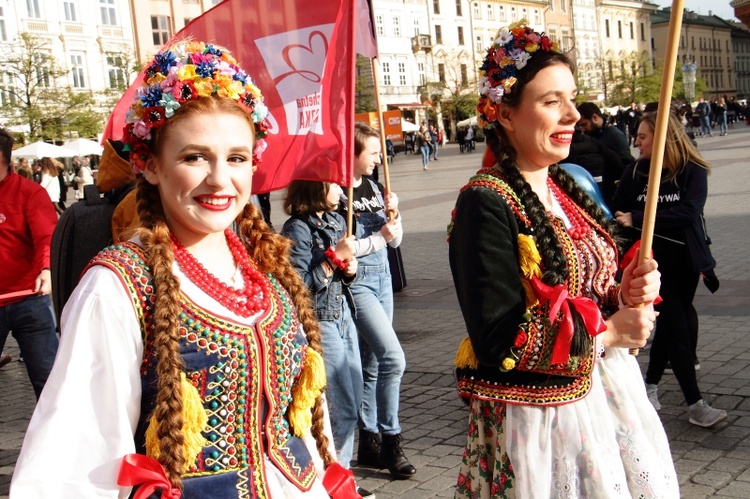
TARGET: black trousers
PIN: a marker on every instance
(677, 325)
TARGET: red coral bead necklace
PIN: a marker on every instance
(245, 302)
(579, 227)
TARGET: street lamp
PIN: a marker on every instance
(688, 80)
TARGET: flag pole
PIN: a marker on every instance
(660, 133)
(381, 125)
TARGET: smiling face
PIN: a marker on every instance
(204, 173)
(540, 128)
(364, 164)
(644, 141)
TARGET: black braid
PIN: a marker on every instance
(554, 264)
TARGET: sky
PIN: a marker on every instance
(719, 8)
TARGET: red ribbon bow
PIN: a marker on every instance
(339, 482)
(560, 300)
(137, 469)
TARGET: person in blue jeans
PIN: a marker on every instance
(27, 221)
(424, 140)
(383, 360)
(324, 258)
(704, 111)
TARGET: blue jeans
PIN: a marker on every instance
(706, 125)
(383, 361)
(344, 380)
(723, 123)
(33, 326)
(435, 150)
(425, 150)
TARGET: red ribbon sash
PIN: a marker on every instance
(339, 482)
(560, 301)
(137, 469)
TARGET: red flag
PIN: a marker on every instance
(301, 55)
(367, 41)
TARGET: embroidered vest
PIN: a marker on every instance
(244, 376)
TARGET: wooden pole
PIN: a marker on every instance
(660, 133)
(381, 124)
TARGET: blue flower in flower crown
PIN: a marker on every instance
(240, 76)
(213, 49)
(204, 69)
(152, 97)
(165, 61)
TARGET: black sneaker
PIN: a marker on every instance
(364, 493)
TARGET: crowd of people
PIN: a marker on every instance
(205, 355)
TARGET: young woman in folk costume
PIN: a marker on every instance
(189, 344)
(557, 405)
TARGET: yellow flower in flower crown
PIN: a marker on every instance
(195, 46)
(187, 72)
(508, 363)
(506, 61)
(156, 79)
(532, 47)
(234, 89)
(137, 108)
(228, 58)
(508, 83)
(204, 86)
(252, 89)
(555, 47)
(520, 22)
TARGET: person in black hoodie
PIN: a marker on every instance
(600, 161)
(682, 196)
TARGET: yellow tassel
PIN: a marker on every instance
(306, 389)
(529, 258)
(531, 300)
(194, 419)
(465, 355)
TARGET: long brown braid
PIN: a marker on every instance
(271, 253)
(154, 234)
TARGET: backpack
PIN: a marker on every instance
(84, 229)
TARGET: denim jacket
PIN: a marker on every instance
(312, 235)
(366, 224)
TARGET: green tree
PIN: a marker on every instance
(651, 86)
(364, 87)
(458, 85)
(122, 65)
(33, 98)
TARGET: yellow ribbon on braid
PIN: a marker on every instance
(309, 386)
(194, 420)
(530, 261)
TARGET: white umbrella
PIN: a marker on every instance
(468, 122)
(84, 147)
(408, 126)
(39, 150)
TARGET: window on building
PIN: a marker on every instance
(186, 21)
(478, 44)
(438, 34)
(161, 29)
(611, 70)
(606, 28)
(551, 5)
(70, 11)
(537, 17)
(513, 14)
(109, 12)
(692, 41)
(619, 29)
(41, 70)
(436, 6)
(490, 12)
(464, 75)
(441, 72)
(76, 65)
(7, 95)
(116, 72)
(379, 25)
(420, 72)
(386, 73)
(524, 13)
(459, 8)
(396, 26)
(475, 12)
(32, 7)
(3, 33)
(417, 28)
(643, 32)
(501, 12)
(632, 31)
(402, 73)
(565, 40)
(460, 35)
(552, 34)
(564, 5)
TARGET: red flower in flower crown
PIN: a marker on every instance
(546, 43)
(154, 116)
(185, 92)
(127, 134)
(138, 156)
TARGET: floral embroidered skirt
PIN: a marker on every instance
(609, 444)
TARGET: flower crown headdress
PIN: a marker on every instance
(509, 53)
(185, 71)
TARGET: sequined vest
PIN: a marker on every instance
(244, 377)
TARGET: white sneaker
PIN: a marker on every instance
(704, 415)
(653, 396)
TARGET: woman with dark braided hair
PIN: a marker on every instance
(190, 361)
(557, 406)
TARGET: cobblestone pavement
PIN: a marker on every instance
(710, 463)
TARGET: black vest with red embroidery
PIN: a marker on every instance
(244, 376)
